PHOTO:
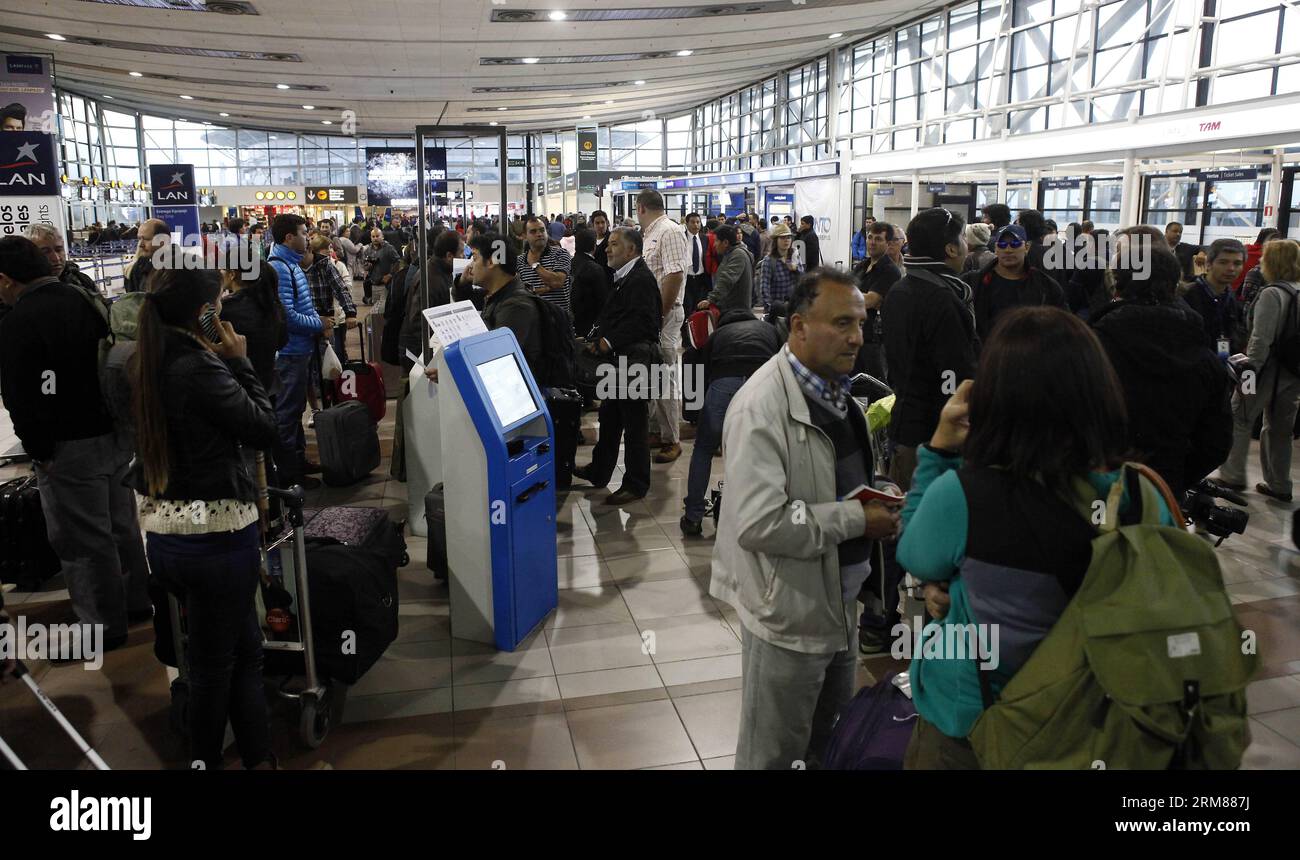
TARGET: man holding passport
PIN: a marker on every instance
(793, 546)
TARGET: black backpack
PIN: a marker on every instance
(558, 354)
(1288, 339)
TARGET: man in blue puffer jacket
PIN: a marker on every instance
(293, 363)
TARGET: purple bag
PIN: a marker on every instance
(873, 730)
(357, 527)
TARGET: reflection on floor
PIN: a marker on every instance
(639, 668)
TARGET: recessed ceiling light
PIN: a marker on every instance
(273, 137)
(282, 86)
(326, 122)
(309, 107)
(493, 122)
(609, 101)
(835, 36)
(587, 117)
(639, 83)
(136, 74)
(106, 96)
(557, 15)
(224, 114)
(188, 98)
(685, 53)
(56, 37)
(501, 108)
(531, 60)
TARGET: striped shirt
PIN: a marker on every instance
(554, 259)
(665, 251)
(833, 395)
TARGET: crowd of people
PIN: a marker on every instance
(1021, 387)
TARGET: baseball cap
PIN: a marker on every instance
(1012, 230)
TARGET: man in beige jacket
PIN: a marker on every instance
(790, 556)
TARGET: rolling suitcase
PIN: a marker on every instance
(435, 514)
(348, 443)
(391, 371)
(363, 381)
(26, 557)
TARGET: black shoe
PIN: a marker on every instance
(1238, 487)
(584, 473)
(1263, 490)
(691, 528)
(139, 616)
(623, 497)
(872, 642)
(309, 468)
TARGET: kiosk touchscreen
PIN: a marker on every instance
(499, 485)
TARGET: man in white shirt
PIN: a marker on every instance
(666, 255)
(698, 282)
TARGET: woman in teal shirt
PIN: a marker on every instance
(996, 522)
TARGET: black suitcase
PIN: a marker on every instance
(353, 608)
(348, 443)
(26, 557)
(435, 514)
(377, 335)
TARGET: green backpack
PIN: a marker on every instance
(1146, 668)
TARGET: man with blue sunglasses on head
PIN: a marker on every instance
(1010, 281)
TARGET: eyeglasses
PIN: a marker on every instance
(1009, 243)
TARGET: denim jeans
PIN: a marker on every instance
(215, 578)
(708, 435)
(788, 703)
(90, 517)
(294, 372)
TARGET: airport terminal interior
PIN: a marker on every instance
(379, 186)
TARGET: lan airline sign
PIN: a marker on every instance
(27, 165)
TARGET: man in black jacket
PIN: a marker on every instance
(49, 359)
(591, 282)
(876, 274)
(632, 318)
(1210, 295)
(930, 340)
(1177, 391)
(739, 345)
(812, 249)
(1009, 281)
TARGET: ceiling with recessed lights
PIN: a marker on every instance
(399, 63)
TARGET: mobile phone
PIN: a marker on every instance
(208, 322)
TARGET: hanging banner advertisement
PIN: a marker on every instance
(553, 162)
(30, 188)
(27, 83)
(175, 201)
(820, 198)
(391, 177)
(587, 150)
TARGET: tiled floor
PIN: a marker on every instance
(638, 668)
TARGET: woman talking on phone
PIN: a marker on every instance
(197, 403)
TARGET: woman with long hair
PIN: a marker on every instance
(994, 523)
(197, 404)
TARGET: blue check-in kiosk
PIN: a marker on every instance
(499, 484)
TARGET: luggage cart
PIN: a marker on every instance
(319, 703)
(20, 671)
